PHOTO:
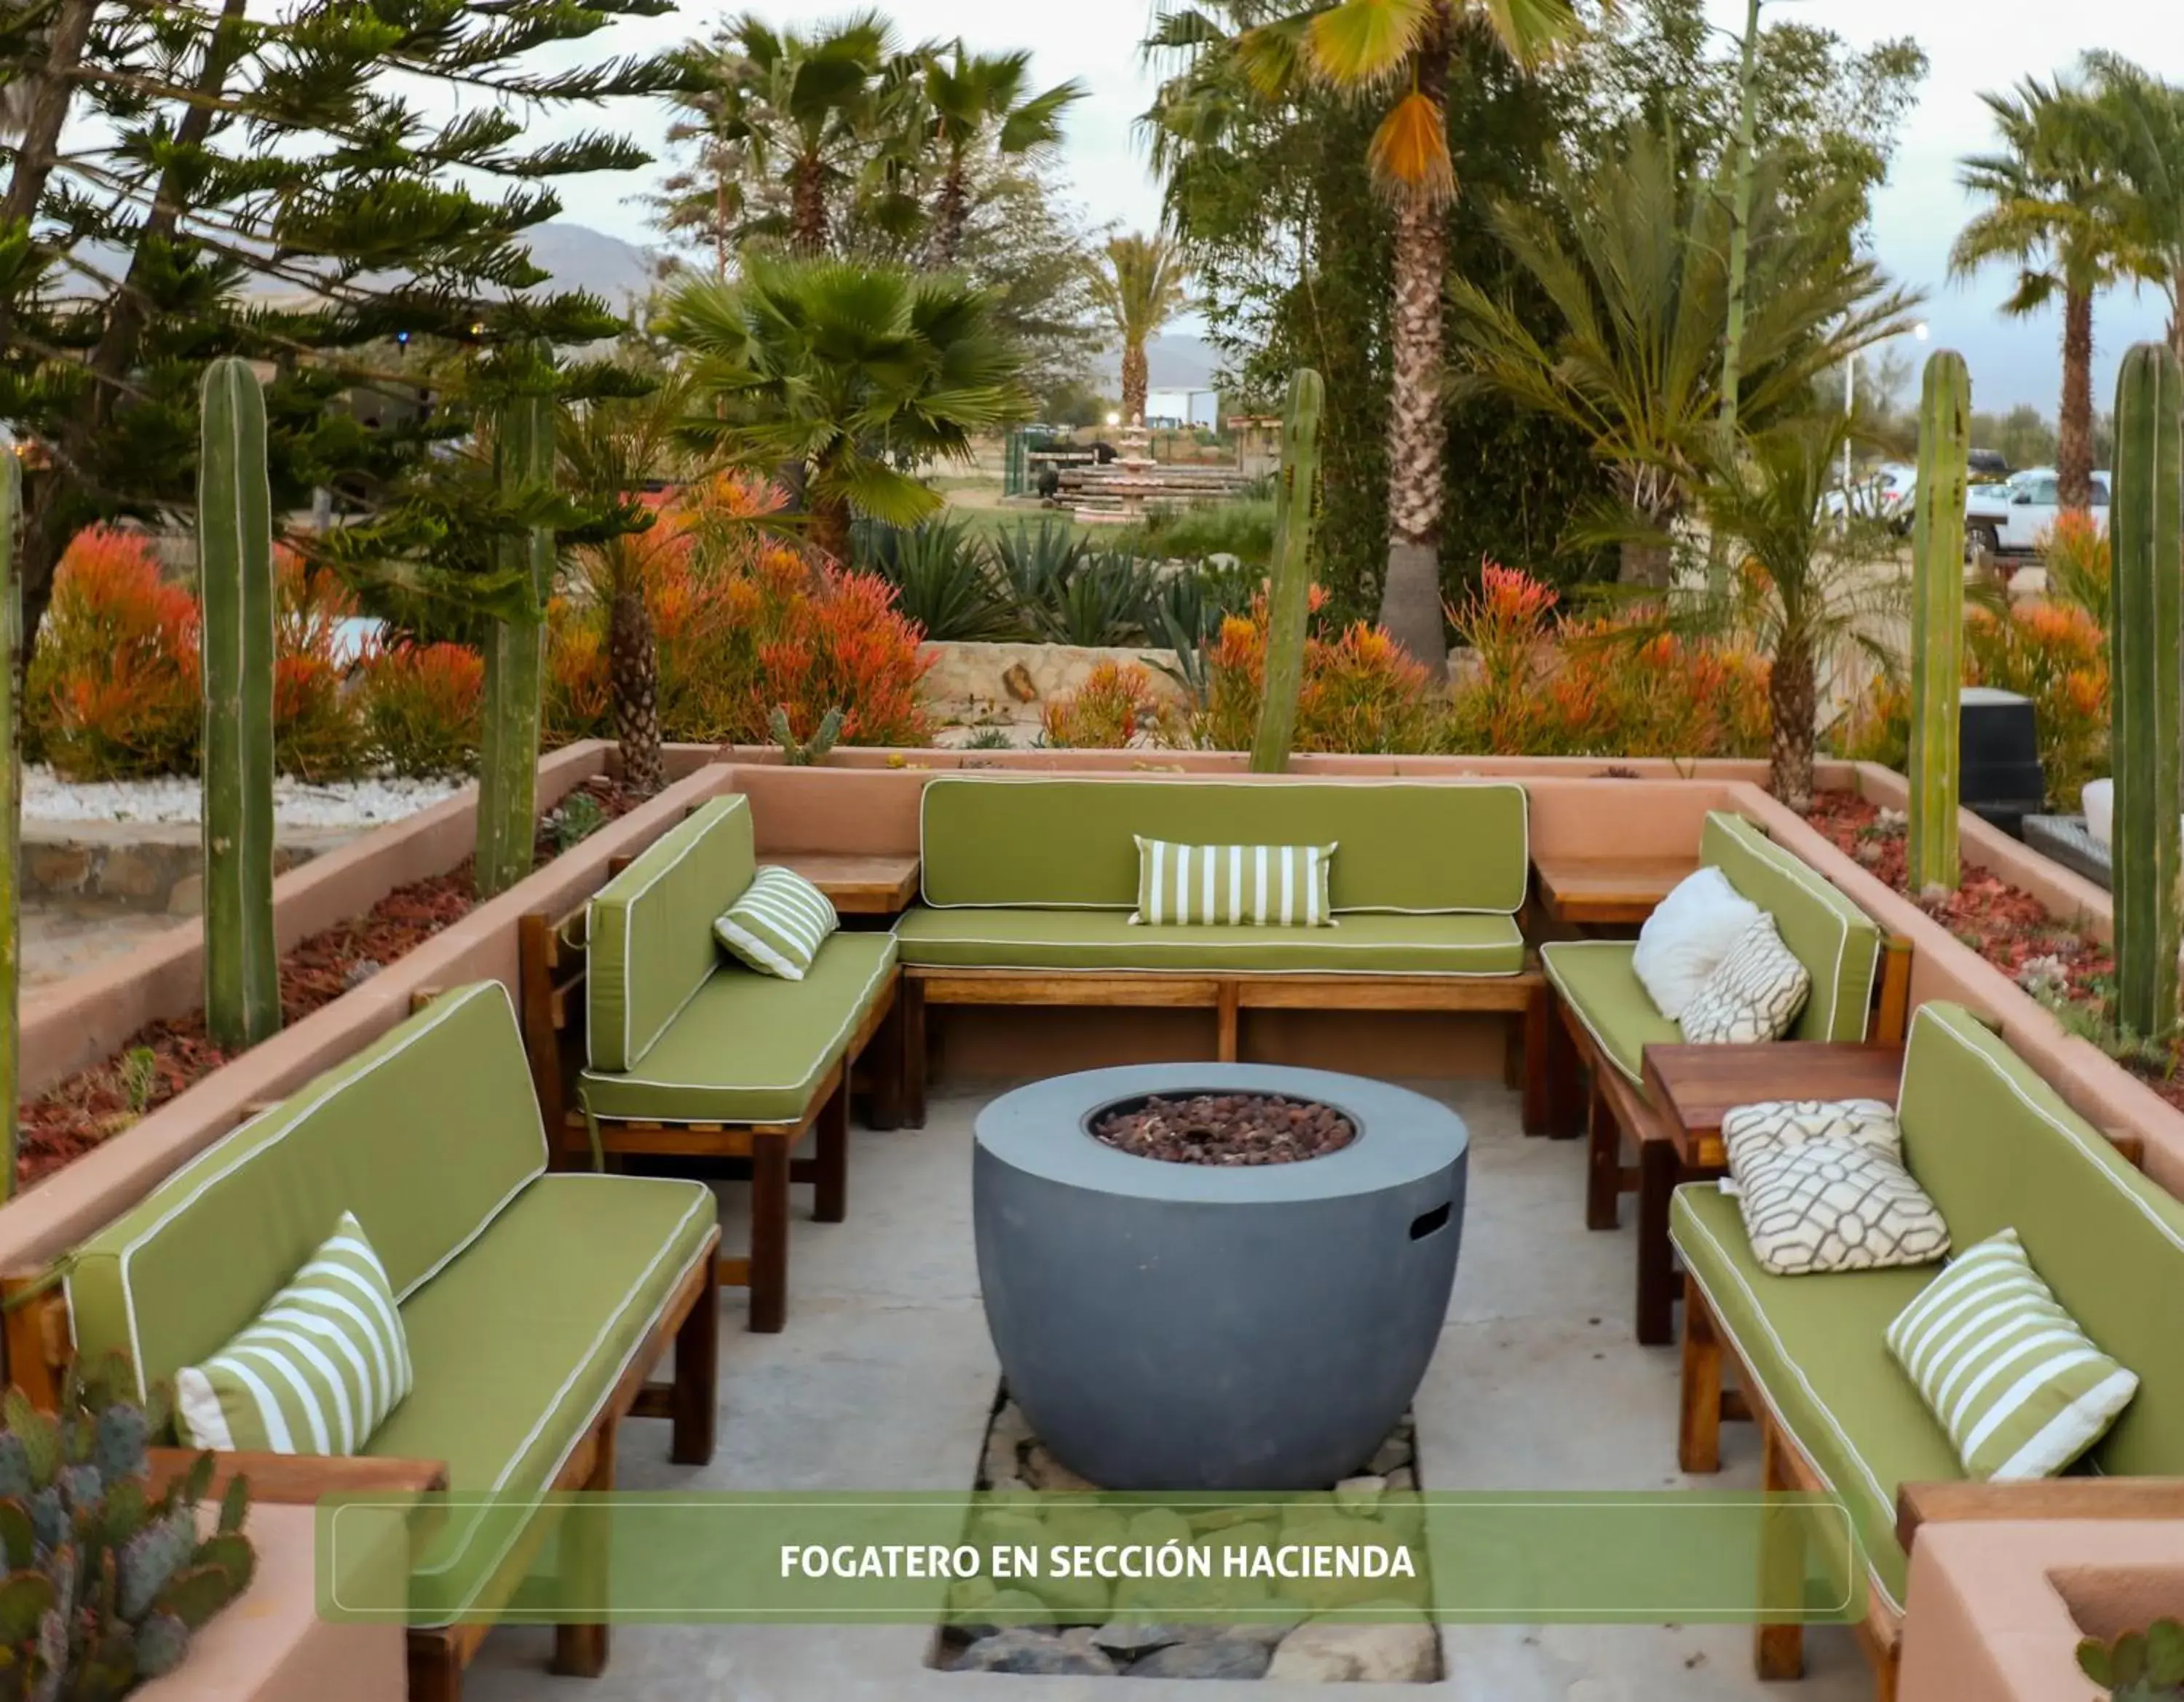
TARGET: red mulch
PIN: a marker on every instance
(70, 1119)
(2004, 924)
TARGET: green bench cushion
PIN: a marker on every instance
(518, 1344)
(1361, 942)
(650, 930)
(1597, 981)
(172, 1279)
(1837, 942)
(1069, 844)
(1816, 1347)
(750, 1048)
(1996, 1148)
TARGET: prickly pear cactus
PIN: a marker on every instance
(101, 1584)
(1288, 594)
(2138, 1667)
(803, 752)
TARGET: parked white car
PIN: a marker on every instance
(2011, 519)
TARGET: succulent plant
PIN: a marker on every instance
(2138, 1667)
(803, 752)
(101, 1584)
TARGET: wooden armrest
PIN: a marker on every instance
(2130, 1148)
(2038, 1498)
(300, 1479)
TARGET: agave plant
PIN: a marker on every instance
(1105, 599)
(105, 1583)
(942, 576)
(1033, 562)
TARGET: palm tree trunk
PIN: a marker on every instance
(1136, 381)
(1793, 702)
(2074, 434)
(951, 209)
(830, 531)
(1645, 561)
(633, 671)
(807, 207)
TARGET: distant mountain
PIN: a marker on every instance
(582, 259)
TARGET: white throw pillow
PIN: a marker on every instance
(1754, 994)
(1690, 932)
(1822, 1187)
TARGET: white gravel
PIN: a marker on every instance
(176, 798)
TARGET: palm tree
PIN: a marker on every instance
(2143, 128)
(969, 97)
(1637, 268)
(1396, 52)
(857, 374)
(802, 109)
(1140, 288)
(2051, 210)
(613, 450)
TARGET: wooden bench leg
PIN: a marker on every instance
(1226, 1021)
(1563, 1073)
(697, 1398)
(1657, 1174)
(1603, 1169)
(910, 1007)
(883, 1063)
(830, 1202)
(436, 1667)
(1778, 1651)
(580, 1645)
(769, 1246)
(1698, 1426)
(1528, 1040)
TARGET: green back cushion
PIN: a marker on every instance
(1072, 843)
(1837, 942)
(425, 1135)
(651, 930)
(1996, 1148)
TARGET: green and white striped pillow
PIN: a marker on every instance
(778, 924)
(317, 1371)
(1283, 885)
(2012, 1377)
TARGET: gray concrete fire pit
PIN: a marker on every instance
(1215, 1326)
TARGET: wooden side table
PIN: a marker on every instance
(856, 886)
(1607, 891)
(1692, 1088)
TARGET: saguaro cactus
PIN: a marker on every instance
(2146, 689)
(235, 578)
(1938, 619)
(1288, 594)
(11, 811)
(514, 660)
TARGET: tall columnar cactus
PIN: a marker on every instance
(2146, 689)
(235, 577)
(11, 811)
(1289, 595)
(514, 658)
(1937, 619)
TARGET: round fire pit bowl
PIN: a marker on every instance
(1215, 1326)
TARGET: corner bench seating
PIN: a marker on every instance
(1605, 1019)
(535, 1305)
(1996, 1148)
(1028, 884)
(644, 1038)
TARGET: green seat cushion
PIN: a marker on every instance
(426, 1135)
(1054, 842)
(751, 1047)
(1817, 1348)
(1996, 1148)
(1597, 981)
(1361, 942)
(650, 930)
(518, 1344)
(1837, 942)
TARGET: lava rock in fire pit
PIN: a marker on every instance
(1226, 1129)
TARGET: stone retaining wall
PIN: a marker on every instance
(1004, 683)
(143, 865)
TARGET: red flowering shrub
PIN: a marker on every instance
(318, 734)
(1360, 691)
(112, 690)
(420, 705)
(1114, 705)
(2079, 564)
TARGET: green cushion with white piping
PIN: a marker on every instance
(1837, 942)
(1594, 978)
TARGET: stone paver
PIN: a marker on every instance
(885, 1377)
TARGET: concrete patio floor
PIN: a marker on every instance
(884, 1377)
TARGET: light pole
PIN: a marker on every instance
(1920, 330)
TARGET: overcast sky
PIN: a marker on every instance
(1973, 45)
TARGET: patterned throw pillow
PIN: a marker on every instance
(2012, 1377)
(1822, 1187)
(1753, 994)
(778, 924)
(316, 1372)
(1285, 885)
